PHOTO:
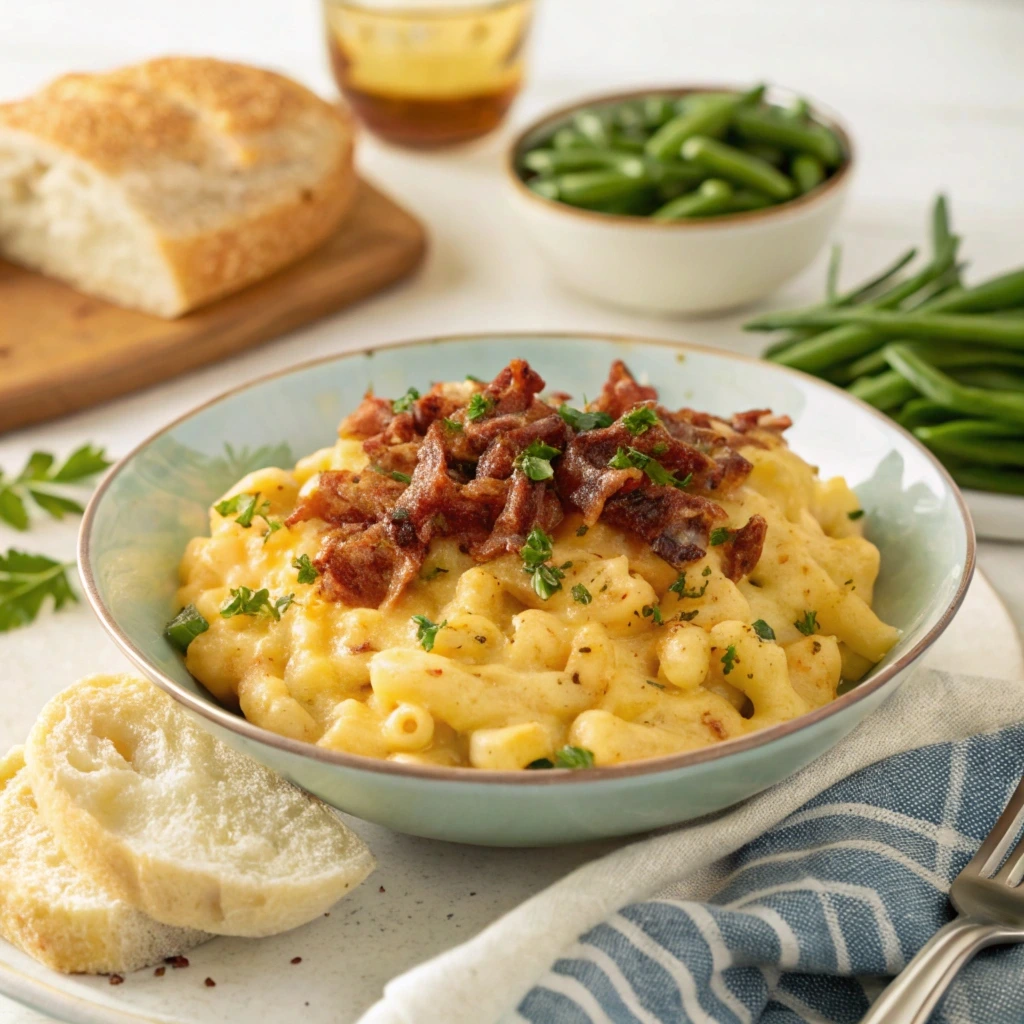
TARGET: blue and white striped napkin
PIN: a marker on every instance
(798, 905)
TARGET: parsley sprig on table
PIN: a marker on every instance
(536, 554)
(40, 483)
(26, 581)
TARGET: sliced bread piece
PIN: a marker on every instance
(158, 811)
(53, 912)
(167, 184)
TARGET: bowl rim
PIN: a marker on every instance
(209, 709)
(796, 205)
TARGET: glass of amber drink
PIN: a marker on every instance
(428, 72)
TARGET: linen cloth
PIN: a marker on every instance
(795, 906)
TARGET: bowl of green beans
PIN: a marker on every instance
(684, 200)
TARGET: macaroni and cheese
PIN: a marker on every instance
(479, 577)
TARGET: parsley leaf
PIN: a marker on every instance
(537, 548)
(630, 458)
(574, 757)
(581, 595)
(653, 612)
(763, 630)
(26, 581)
(541, 762)
(432, 574)
(307, 571)
(535, 460)
(402, 478)
(808, 625)
(35, 482)
(581, 531)
(688, 616)
(547, 579)
(719, 535)
(679, 588)
(729, 660)
(475, 380)
(479, 406)
(426, 631)
(855, 514)
(657, 686)
(404, 404)
(246, 505)
(247, 602)
(185, 627)
(640, 420)
(454, 426)
(583, 421)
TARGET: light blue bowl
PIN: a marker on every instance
(137, 524)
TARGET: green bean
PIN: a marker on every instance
(569, 138)
(657, 110)
(710, 117)
(981, 441)
(862, 291)
(558, 161)
(768, 153)
(593, 126)
(886, 391)
(629, 115)
(546, 187)
(997, 293)
(711, 198)
(991, 330)
(737, 166)
(985, 478)
(808, 171)
(994, 379)
(761, 125)
(746, 199)
(943, 356)
(629, 142)
(835, 261)
(1006, 406)
(799, 109)
(665, 171)
(922, 411)
(582, 188)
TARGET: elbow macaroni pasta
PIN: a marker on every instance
(512, 678)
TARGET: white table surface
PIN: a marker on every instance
(933, 90)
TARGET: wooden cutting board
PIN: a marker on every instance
(61, 351)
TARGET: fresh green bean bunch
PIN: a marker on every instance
(943, 359)
(671, 158)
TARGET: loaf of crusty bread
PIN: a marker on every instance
(160, 813)
(52, 911)
(167, 184)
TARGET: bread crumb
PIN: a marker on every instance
(210, 983)
(116, 979)
(160, 972)
(176, 961)
(296, 959)
(381, 889)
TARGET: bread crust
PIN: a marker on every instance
(233, 171)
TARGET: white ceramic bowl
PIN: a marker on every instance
(698, 266)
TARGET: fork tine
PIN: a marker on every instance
(1010, 873)
(997, 843)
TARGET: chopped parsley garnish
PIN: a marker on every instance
(729, 660)
(26, 581)
(653, 612)
(581, 595)
(402, 478)
(245, 505)
(689, 616)
(808, 625)
(658, 686)
(679, 588)
(855, 514)
(706, 571)
(432, 574)
(582, 421)
(398, 514)
(426, 631)
(567, 757)
(475, 380)
(185, 627)
(535, 460)
(581, 531)
(719, 535)
(640, 420)
(763, 630)
(35, 482)
(479, 406)
(547, 579)
(404, 404)
(273, 525)
(247, 602)
(307, 571)
(630, 458)
(452, 425)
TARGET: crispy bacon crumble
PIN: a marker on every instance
(446, 466)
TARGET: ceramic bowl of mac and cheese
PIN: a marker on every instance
(438, 587)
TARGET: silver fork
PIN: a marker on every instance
(990, 909)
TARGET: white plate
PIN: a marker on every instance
(436, 895)
(996, 516)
